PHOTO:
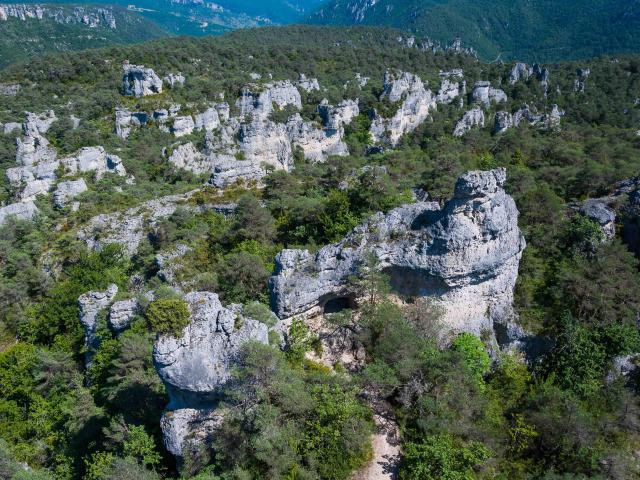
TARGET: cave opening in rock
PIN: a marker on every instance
(337, 305)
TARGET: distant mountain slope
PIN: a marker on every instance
(532, 30)
(28, 30)
(204, 17)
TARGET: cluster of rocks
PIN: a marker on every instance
(9, 89)
(417, 103)
(39, 167)
(90, 16)
(130, 227)
(548, 121)
(580, 81)
(522, 72)
(484, 94)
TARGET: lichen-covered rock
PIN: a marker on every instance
(92, 303)
(122, 313)
(184, 430)
(484, 94)
(415, 108)
(67, 191)
(195, 366)
(464, 256)
(472, 118)
(22, 211)
(182, 126)
(139, 81)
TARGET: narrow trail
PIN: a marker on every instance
(386, 446)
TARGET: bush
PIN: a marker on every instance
(168, 316)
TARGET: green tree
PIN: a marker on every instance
(168, 316)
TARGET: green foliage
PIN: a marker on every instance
(168, 316)
(140, 446)
(438, 457)
(474, 353)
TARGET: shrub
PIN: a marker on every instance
(168, 316)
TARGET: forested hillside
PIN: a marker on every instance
(29, 31)
(141, 336)
(534, 31)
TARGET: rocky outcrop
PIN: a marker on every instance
(448, 92)
(67, 191)
(264, 142)
(598, 210)
(9, 89)
(187, 157)
(196, 365)
(139, 81)
(258, 101)
(472, 118)
(484, 94)
(317, 144)
(21, 211)
(231, 171)
(542, 74)
(502, 123)
(92, 17)
(464, 256)
(174, 79)
(415, 108)
(10, 127)
(122, 313)
(168, 263)
(308, 84)
(93, 160)
(208, 120)
(125, 119)
(27, 182)
(183, 126)
(520, 72)
(91, 304)
(130, 227)
(580, 82)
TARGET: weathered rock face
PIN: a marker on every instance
(93, 159)
(599, 211)
(483, 93)
(197, 365)
(91, 304)
(502, 123)
(183, 126)
(208, 120)
(90, 16)
(580, 82)
(67, 191)
(542, 74)
(472, 118)
(316, 144)
(33, 147)
(260, 104)
(9, 89)
(415, 108)
(266, 142)
(520, 72)
(129, 228)
(174, 79)
(464, 256)
(122, 313)
(139, 81)
(308, 84)
(125, 119)
(22, 211)
(187, 157)
(448, 92)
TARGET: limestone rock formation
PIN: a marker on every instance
(520, 72)
(174, 79)
(22, 211)
(464, 256)
(91, 304)
(599, 211)
(415, 108)
(95, 160)
(11, 127)
(122, 313)
(208, 120)
(139, 81)
(308, 84)
(9, 89)
(448, 92)
(187, 157)
(580, 82)
(125, 119)
(503, 122)
(317, 144)
(182, 126)
(484, 94)
(258, 101)
(67, 191)
(266, 142)
(472, 118)
(195, 366)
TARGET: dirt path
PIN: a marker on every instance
(386, 447)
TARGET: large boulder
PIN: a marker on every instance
(21, 211)
(520, 72)
(139, 81)
(483, 93)
(67, 191)
(197, 364)
(464, 256)
(95, 160)
(91, 304)
(472, 118)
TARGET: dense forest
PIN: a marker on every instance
(464, 409)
